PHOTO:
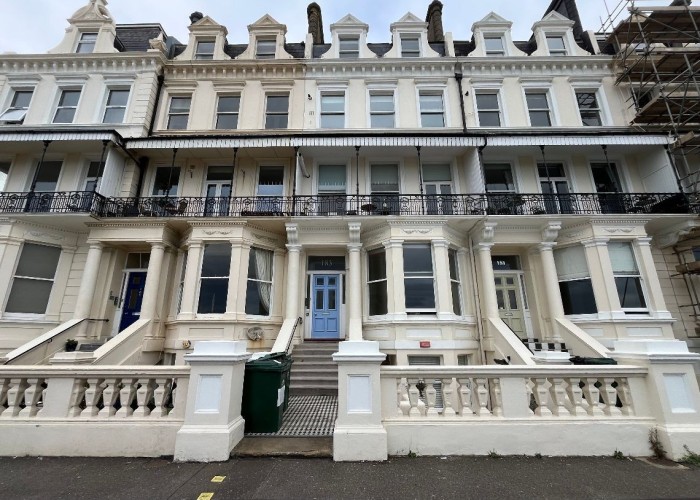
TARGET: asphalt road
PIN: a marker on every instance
(401, 478)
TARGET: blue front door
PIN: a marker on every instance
(133, 296)
(326, 306)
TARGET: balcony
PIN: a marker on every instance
(97, 205)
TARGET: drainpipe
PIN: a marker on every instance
(458, 77)
(161, 80)
(674, 167)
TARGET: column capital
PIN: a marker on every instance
(393, 243)
(97, 245)
(483, 247)
(546, 246)
(354, 247)
(157, 244)
(643, 241)
(354, 231)
(191, 245)
(440, 243)
(293, 248)
(595, 242)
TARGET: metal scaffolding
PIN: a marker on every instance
(657, 56)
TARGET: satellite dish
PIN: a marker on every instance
(255, 333)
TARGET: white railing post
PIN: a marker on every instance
(672, 388)
(359, 433)
(213, 423)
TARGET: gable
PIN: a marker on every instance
(349, 19)
(267, 20)
(493, 18)
(554, 17)
(410, 17)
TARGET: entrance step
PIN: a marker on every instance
(90, 346)
(535, 345)
(314, 372)
(284, 447)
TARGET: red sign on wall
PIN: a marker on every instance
(424, 344)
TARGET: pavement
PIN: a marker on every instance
(310, 478)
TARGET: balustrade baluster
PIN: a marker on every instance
(4, 387)
(496, 401)
(160, 393)
(430, 398)
(93, 394)
(574, 394)
(404, 401)
(609, 395)
(447, 395)
(465, 397)
(77, 397)
(15, 397)
(482, 397)
(625, 395)
(557, 396)
(32, 395)
(110, 393)
(541, 392)
(144, 394)
(414, 398)
(127, 393)
(592, 395)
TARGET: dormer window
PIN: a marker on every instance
(493, 46)
(18, 108)
(556, 45)
(205, 50)
(410, 46)
(86, 45)
(265, 49)
(349, 47)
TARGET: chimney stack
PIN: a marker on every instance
(196, 16)
(313, 13)
(434, 20)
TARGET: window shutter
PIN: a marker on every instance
(571, 263)
(622, 258)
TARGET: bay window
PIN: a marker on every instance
(455, 285)
(627, 277)
(376, 281)
(575, 280)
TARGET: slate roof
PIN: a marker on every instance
(135, 37)
(321, 49)
(380, 48)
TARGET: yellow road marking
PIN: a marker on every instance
(218, 479)
(205, 496)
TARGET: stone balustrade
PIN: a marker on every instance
(465, 393)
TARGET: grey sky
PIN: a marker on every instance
(35, 26)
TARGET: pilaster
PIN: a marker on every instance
(188, 307)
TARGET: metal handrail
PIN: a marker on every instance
(291, 337)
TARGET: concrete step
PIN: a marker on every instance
(316, 381)
(284, 447)
(89, 346)
(312, 370)
(323, 358)
(306, 390)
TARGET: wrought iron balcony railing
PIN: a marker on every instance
(349, 205)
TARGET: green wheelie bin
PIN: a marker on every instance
(264, 392)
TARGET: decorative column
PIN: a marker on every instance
(88, 282)
(551, 286)
(442, 279)
(354, 284)
(651, 278)
(213, 422)
(152, 288)
(488, 285)
(291, 299)
(602, 278)
(234, 289)
(188, 307)
(396, 294)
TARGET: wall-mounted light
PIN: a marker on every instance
(191, 169)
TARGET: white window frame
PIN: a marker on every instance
(218, 113)
(288, 95)
(493, 91)
(381, 91)
(429, 246)
(541, 88)
(433, 91)
(81, 42)
(75, 108)
(271, 282)
(31, 316)
(495, 36)
(169, 113)
(638, 275)
(410, 36)
(106, 106)
(265, 55)
(152, 183)
(457, 281)
(330, 91)
(348, 54)
(204, 56)
(564, 39)
(200, 277)
(595, 87)
(12, 104)
(385, 280)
